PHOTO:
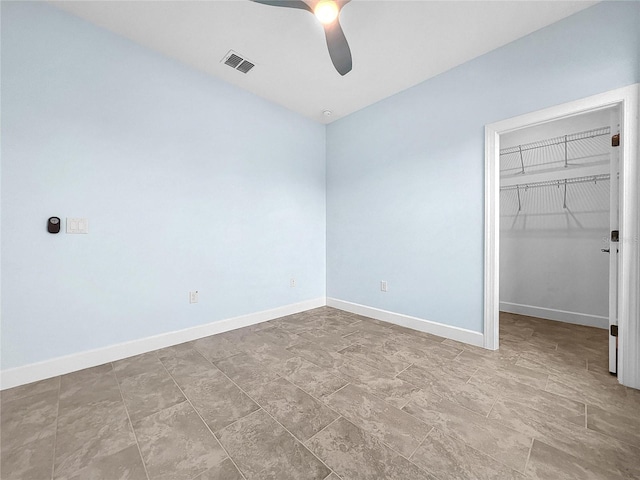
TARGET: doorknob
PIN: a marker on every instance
(604, 250)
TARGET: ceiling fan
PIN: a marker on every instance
(327, 11)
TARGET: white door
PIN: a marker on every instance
(612, 248)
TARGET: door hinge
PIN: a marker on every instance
(615, 140)
(614, 330)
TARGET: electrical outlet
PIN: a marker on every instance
(292, 282)
(193, 297)
(383, 285)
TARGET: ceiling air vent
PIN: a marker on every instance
(237, 62)
(245, 66)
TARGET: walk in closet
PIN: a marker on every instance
(557, 183)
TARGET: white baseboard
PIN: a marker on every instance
(78, 361)
(555, 314)
(440, 329)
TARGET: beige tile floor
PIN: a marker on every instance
(331, 395)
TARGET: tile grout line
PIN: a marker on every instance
(241, 418)
(349, 382)
(240, 352)
(322, 429)
(403, 370)
(261, 408)
(382, 442)
(365, 430)
(491, 456)
(332, 373)
(472, 375)
(315, 398)
(302, 390)
(464, 441)
(411, 395)
(420, 444)
(498, 422)
(528, 455)
(456, 357)
(278, 376)
(408, 459)
(456, 404)
(348, 346)
(275, 420)
(362, 364)
(349, 359)
(330, 474)
(126, 409)
(344, 386)
(610, 437)
(55, 433)
(376, 367)
(202, 419)
(495, 400)
(586, 421)
(349, 334)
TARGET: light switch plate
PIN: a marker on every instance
(77, 225)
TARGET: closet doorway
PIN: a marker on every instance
(628, 275)
(558, 205)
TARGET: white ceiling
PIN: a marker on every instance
(395, 44)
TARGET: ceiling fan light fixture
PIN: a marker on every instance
(326, 11)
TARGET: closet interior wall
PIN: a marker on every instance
(554, 219)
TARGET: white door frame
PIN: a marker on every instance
(626, 98)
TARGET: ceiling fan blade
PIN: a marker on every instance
(339, 50)
(286, 3)
(336, 41)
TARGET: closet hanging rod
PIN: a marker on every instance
(561, 140)
(554, 183)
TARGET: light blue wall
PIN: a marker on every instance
(188, 183)
(405, 177)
